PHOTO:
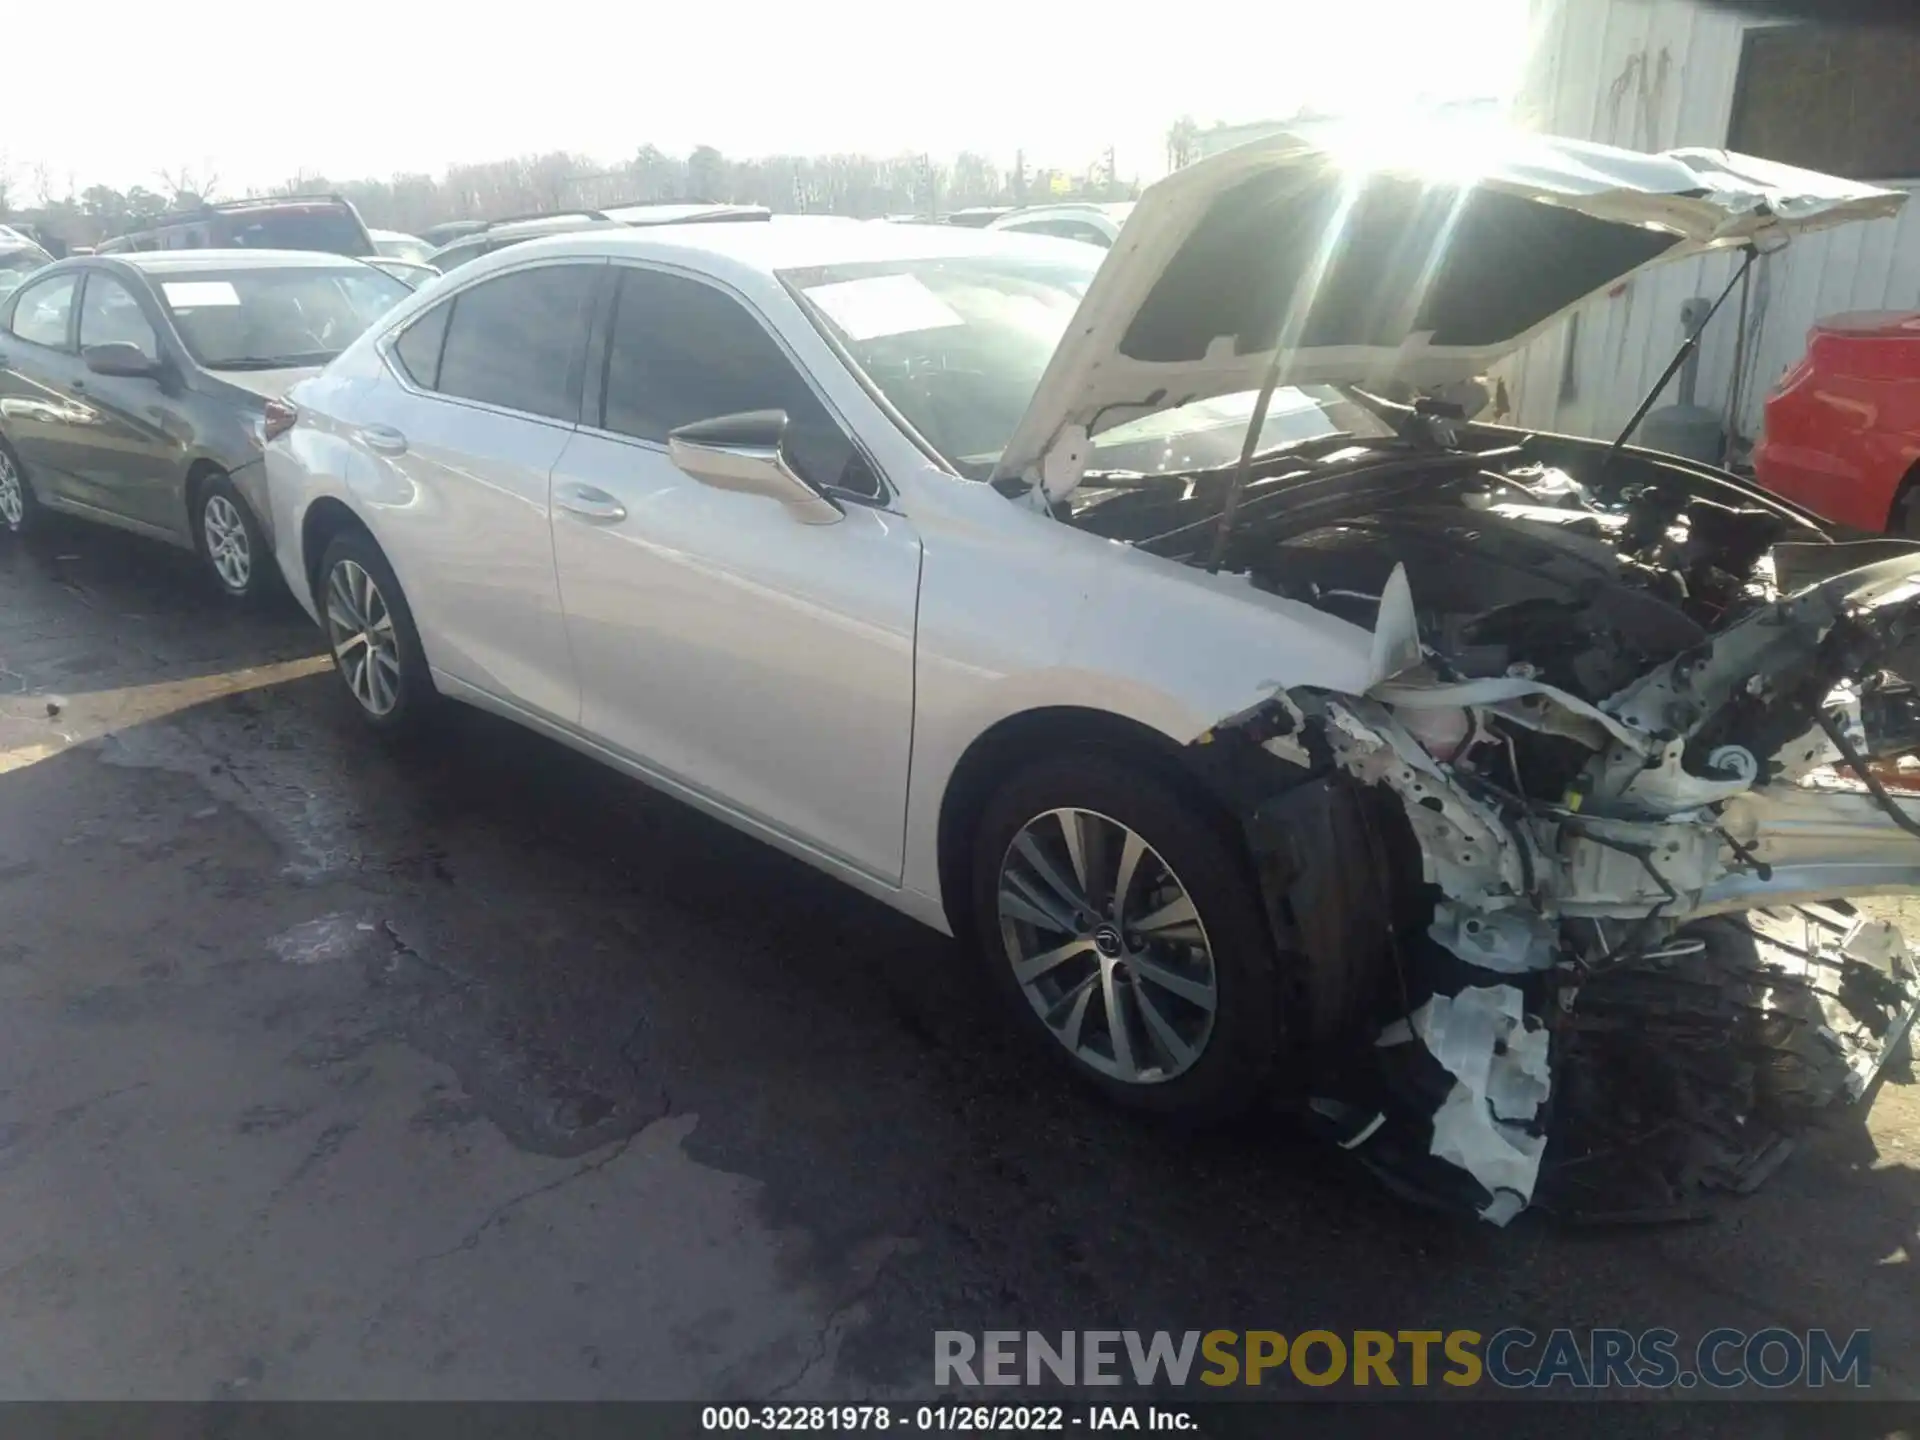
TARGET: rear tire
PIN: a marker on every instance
(20, 512)
(232, 546)
(370, 630)
(1198, 999)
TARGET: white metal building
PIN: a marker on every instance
(1655, 74)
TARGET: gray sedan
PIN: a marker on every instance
(136, 390)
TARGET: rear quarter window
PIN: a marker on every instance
(330, 229)
(417, 351)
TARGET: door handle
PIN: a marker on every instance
(589, 504)
(384, 440)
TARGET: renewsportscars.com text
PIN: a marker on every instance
(1512, 1358)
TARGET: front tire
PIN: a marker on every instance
(1122, 926)
(20, 512)
(370, 630)
(235, 551)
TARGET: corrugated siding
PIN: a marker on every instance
(1652, 75)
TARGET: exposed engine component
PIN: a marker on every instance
(1603, 720)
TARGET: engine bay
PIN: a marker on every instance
(1628, 749)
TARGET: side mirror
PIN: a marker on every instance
(119, 357)
(747, 453)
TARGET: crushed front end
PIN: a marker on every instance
(1572, 912)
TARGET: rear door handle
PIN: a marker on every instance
(589, 504)
(384, 440)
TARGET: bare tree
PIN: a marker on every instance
(707, 174)
(186, 187)
(1182, 140)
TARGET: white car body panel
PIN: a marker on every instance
(1100, 219)
(704, 624)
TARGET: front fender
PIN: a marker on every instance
(1094, 625)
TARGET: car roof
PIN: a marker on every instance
(1068, 207)
(187, 262)
(504, 233)
(789, 242)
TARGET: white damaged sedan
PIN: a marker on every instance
(1489, 797)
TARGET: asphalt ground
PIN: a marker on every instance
(478, 1071)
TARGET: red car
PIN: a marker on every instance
(1843, 425)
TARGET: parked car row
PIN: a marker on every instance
(1267, 741)
(133, 389)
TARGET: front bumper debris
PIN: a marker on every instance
(1637, 989)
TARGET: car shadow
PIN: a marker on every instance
(135, 608)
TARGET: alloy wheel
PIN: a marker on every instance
(13, 497)
(227, 545)
(1107, 946)
(360, 627)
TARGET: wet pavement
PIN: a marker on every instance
(476, 1070)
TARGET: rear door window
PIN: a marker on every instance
(519, 340)
(418, 348)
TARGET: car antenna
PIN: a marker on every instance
(1244, 469)
(1687, 346)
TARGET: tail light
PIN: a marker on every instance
(280, 418)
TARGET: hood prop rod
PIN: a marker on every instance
(1680, 356)
(1244, 469)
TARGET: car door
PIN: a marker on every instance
(761, 661)
(130, 461)
(457, 452)
(41, 412)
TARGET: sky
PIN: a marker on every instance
(254, 94)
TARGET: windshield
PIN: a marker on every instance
(958, 345)
(268, 319)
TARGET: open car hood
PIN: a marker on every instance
(1421, 260)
